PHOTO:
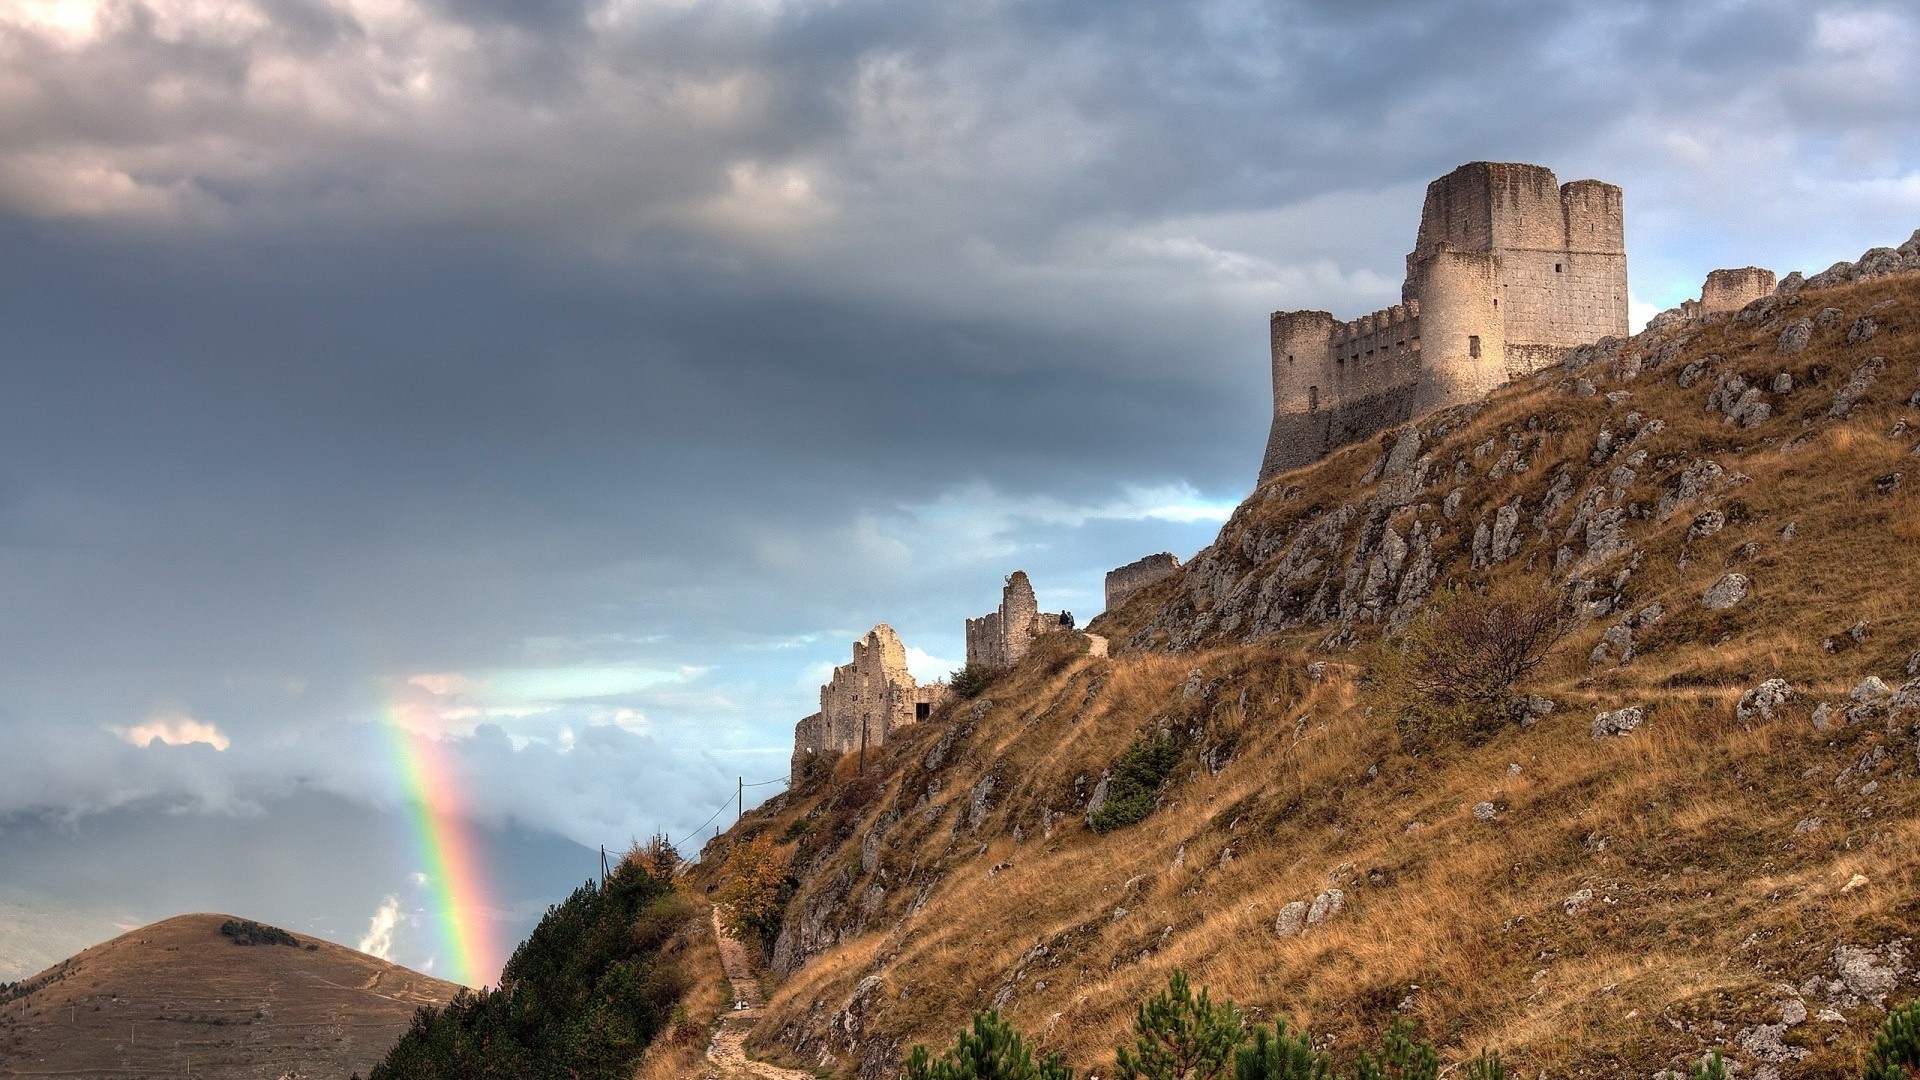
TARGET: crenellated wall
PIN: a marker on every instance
(1509, 269)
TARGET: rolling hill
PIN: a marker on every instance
(180, 998)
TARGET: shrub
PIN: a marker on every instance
(1400, 1057)
(990, 1050)
(248, 932)
(1487, 1066)
(1711, 1067)
(754, 893)
(657, 857)
(1455, 668)
(1134, 782)
(1895, 1054)
(1178, 1036)
(969, 681)
(1278, 1053)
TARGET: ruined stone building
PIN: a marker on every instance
(1000, 638)
(1123, 582)
(1509, 269)
(865, 701)
(1725, 290)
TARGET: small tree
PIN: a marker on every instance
(1279, 1053)
(1400, 1057)
(753, 897)
(1178, 1036)
(657, 857)
(1711, 1067)
(1895, 1054)
(990, 1050)
(969, 681)
(1133, 787)
(1457, 665)
(1487, 1066)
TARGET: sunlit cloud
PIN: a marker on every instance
(172, 727)
(378, 940)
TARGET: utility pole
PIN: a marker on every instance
(863, 745)
(740, 800)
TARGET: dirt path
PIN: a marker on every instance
(1096, 645)
(727, 1055)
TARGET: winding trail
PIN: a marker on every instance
(727, 1055)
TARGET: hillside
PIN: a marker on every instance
(1592, 891)
(179, 998)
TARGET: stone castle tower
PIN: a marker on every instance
(1510, 268)
(1001, 637)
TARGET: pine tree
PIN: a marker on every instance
(1178, 1036)
(1279, 1053)
(1895, 1054)
(990, 1050)
(1400, 1057)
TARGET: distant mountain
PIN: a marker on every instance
(183, 998)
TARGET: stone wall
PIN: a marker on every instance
(1002, 637)
(1509, 269)
(1731, 290)
(865, 701)
(1127, 580)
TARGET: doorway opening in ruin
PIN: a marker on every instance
(1473, 346)
(922, 710)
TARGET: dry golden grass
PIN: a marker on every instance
(976, 882)
(681, 1050)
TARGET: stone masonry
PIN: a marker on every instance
(1002, 637)
(1510, 268)
(1123, 582)
(865, 701)
(1724, 291)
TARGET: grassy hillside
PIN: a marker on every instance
(1588, 904)
(180, 998)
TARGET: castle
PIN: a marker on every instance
(865, 701)
(1510, 268)
(868, 699)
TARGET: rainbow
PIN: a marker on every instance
(446, 849)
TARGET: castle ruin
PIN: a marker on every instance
(1000, 638)
(1510, 268)
(1725, 290)
(865, 701)
(1127, 580)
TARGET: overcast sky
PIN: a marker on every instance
(572, 380)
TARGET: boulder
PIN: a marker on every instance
(1764, 701)
(1729, 591)
(1794, 338)
(1326, 906)
(1293, 917)
(1619, 721)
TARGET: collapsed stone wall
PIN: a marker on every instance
(865, 701)
(1123, 582)
(1724, 291)
(1509, 269)
(1002, 637)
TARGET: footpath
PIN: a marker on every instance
(727, 1056)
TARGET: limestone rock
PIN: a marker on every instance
(1857, 385)
(1572, 904)
(1795, 337)
(1729, 591)
(1292, 920)
(1326, 906)
(1763, 701)
(1862, 330)
(1485, 811)
(1619, 721)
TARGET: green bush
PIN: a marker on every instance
(1711, 1067)
(1133, 786)
(1895, 1054)
(990, 1050)
(582, 997)
(1399, 1057)
(1178, 1036)
(1279, 1053)
(1487, 1066)
(969, 681)
(248, 932)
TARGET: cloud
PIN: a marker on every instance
(378, 940)
(173, 728)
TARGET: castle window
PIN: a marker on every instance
(922, 710)
(1556, 268)
(1289, 358)
(1473, 346)
(1313, 399)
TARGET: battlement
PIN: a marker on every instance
(1509, 269)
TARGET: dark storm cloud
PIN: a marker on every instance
(575, 379)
